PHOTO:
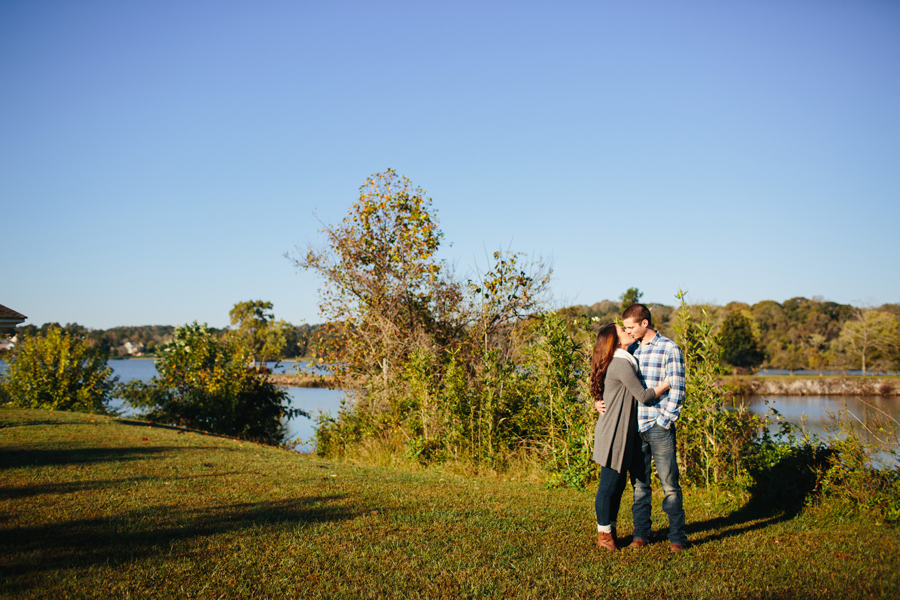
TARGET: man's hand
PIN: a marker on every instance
(600, 406)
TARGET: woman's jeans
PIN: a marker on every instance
(657, 443)
(609, 495)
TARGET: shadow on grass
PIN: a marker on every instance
(779, 493)
(38, 422)
(70, 487)
(154, 425)
(77, 454)
(179, 429)
(139, 534)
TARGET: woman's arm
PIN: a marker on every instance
(662, 388)
(635, 386)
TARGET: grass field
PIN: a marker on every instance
(95, 507)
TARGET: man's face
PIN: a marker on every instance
(636, 329)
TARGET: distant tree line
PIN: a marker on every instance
(797, 334)
(298, 340)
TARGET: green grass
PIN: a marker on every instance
(96, 507)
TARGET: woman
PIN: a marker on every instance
(615, 382)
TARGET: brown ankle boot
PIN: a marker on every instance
(605, 541)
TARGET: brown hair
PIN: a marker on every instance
(639, 313)
(604, 349)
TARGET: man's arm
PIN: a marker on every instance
(672, 402)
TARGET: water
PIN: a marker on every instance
(812, 414)
(812, 411)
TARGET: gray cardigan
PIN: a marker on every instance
(613, 434)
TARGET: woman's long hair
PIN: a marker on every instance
(604, 349)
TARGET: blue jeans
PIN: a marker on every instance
(657, 443)
(609, 495)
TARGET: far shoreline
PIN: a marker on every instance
(811, 385)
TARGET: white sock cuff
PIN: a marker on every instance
(604, 528)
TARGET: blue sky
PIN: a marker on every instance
(157, 160)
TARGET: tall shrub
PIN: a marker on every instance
(558, 370)
(207, 382)
(712, 441)
(58, 371)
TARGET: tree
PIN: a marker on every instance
(58, 371)
(385, 292)
(869, 334)
(256, 327)
(512, 289)
(740, 344)
(205, 383)
(629, 297)
(818, 356)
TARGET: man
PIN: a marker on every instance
(660, 359)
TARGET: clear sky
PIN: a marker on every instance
(158, 159)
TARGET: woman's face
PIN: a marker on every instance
(625, 340)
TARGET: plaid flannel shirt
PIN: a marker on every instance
(660, 359)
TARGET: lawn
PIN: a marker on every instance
(98, 507)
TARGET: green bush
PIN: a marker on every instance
(206, 382)
(58, 371)
(785, 469)
(852, 482)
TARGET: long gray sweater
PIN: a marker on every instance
(615, 430)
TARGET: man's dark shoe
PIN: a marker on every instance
(637, 543)
(676, 548)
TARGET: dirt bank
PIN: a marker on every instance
(310, 381)
(812, 386)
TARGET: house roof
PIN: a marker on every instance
(8, 315)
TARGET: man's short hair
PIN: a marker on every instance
(639, 313)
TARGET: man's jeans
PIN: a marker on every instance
(657, 443)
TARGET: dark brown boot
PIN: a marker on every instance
(605, 541)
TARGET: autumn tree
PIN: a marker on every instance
(384, 291)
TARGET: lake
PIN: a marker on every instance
(814, 409)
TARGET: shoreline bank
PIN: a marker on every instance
(307, 381)
(736, 385)
(825, 385)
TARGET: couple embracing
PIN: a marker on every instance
(639, 398)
